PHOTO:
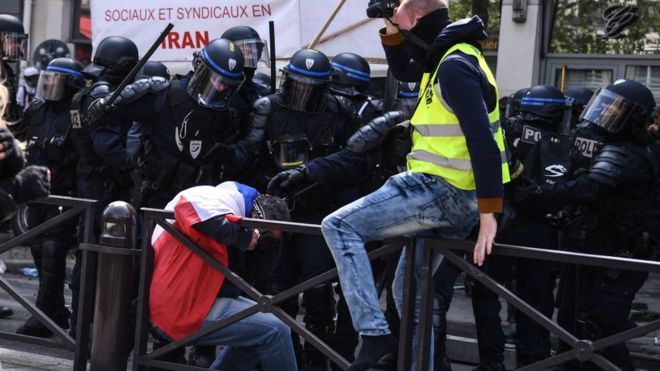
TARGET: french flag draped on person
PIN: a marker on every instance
(183, 286)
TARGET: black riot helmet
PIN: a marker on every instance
(543, 104)
(351, 74)
(153, 68)
(219, 74)
(114, 57)
(581, 96)
(305, 81)
(61, 78)
(13, 38)
(254, 48)
(513, 103)
(406, 97)
(624, 105)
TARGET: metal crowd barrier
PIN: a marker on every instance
(117, 244)
(62, 340)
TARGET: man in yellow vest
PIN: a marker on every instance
(456, 168)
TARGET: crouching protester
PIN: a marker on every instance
(188, 294)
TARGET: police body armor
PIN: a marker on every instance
(180, 152)
(49, 143)
(89, 162)
(618, 224)
(324, 132)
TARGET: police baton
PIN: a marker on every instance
(131, 75)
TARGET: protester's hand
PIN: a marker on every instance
(287, 179)
(31, 183)
(254, 240)
(484, 245)
(10, 154)
(390, 29)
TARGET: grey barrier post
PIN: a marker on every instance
(112, 335)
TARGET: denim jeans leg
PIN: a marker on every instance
(407, 203)
(261, 337)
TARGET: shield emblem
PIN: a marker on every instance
(412, 85)
(309, 63)
(232, 64)
(195, 148)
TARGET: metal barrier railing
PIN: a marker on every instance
(582, 350)
(264, 303)
(62, 339)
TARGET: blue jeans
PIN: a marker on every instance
(261, 337)
(407, 204)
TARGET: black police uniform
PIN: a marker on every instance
(49, 144)
(611, 203)
(297, 130)
(104, 159)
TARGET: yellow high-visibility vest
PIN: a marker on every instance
(439, 146)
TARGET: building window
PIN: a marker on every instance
(588, 78)
(578, 27)
(488, 10)
(647, 75)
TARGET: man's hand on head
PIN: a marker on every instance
(254, 240)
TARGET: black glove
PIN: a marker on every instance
(96, 112)
(288, 179)
(30, 184)
(13, 160)
(526, 192)
(220, 153)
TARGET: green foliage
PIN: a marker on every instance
(459, 9)
(578, 28)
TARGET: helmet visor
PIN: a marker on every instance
(212, 89)
(52, 85)
(302, 93)
(288, 152)
(13, 45)
(608, 110)
(255, 52)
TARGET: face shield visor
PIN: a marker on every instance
(255, 52)
(211, 89)
(609, 110)
(13, 45)
(290, 151)
(53, 84)
(304, 94)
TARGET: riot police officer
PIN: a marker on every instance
(193, 128)
(47, 123)
(12, 49)
(533, 135)
(614, 197)
(153, 68)
(351, 75)
(255, 52)
(303, 121)
(103, 157)
(581, 97)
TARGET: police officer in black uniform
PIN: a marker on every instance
(255, 52)
(303, 121)
(191, 129)
(47, 123)
(153, 68)
(103, 156)
(12, 49)
(614, 199)
(351, 75)
(581, 96)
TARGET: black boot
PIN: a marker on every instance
(319, 319)
(372, 350)
(6, 312)
(201, 356)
